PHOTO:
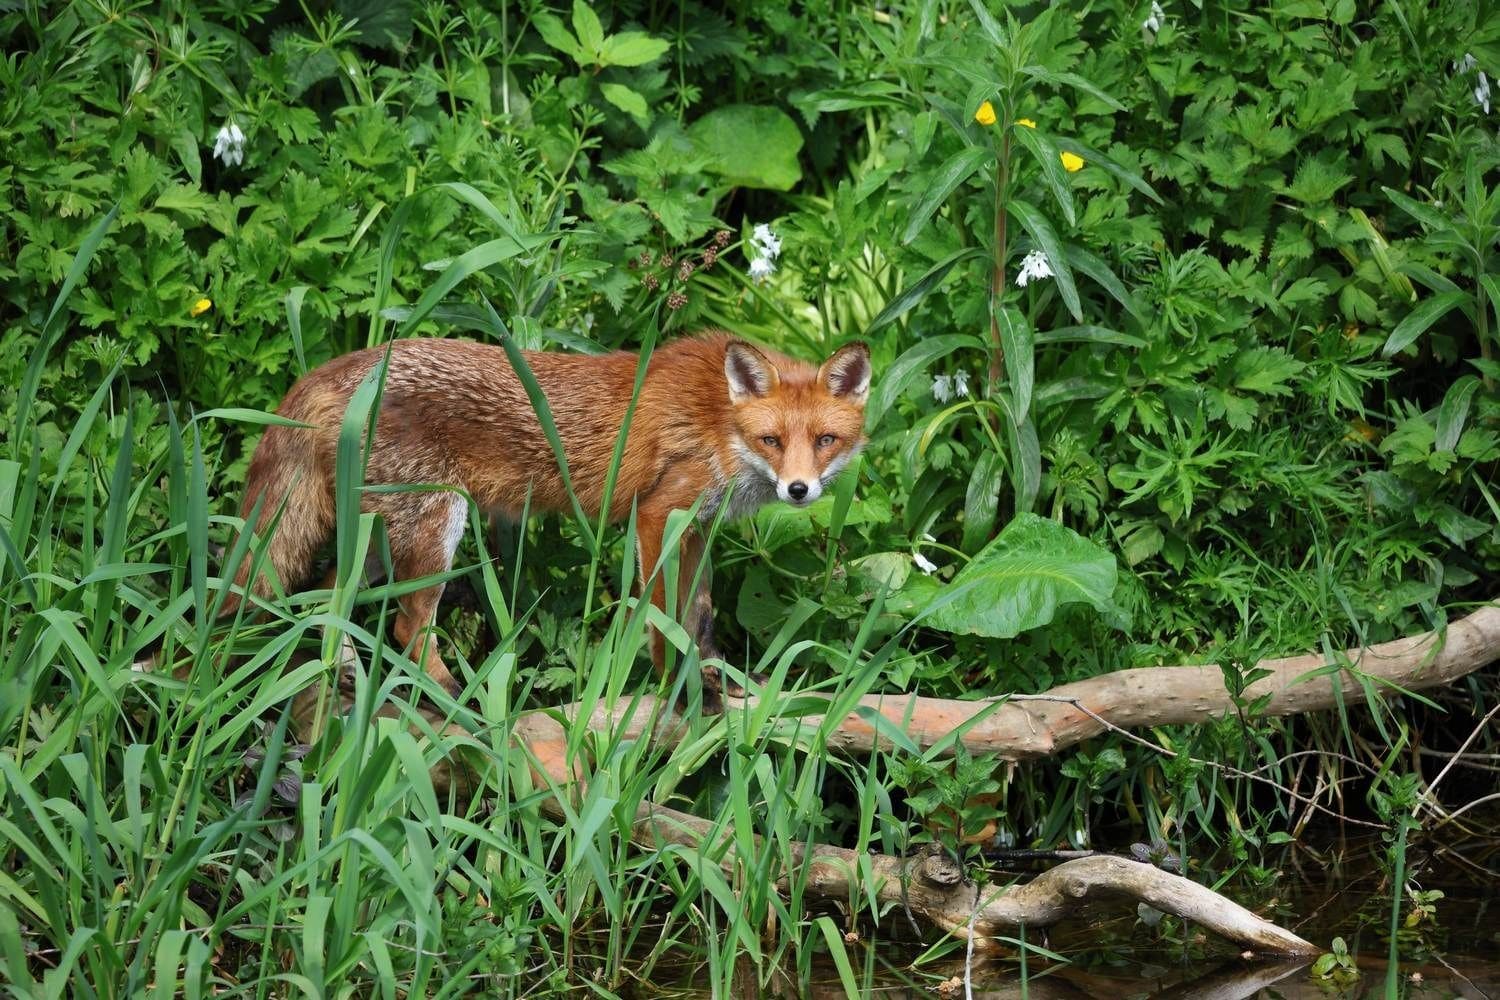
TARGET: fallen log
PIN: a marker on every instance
(1015, 727)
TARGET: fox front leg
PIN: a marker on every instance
(694, 604)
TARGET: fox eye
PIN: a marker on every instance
(771, 441)
(827, 440)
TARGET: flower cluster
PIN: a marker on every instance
(1152, 24)
(670, 269)
(1481, 91)
(1034, 266)
(767, 247)
(229, 145)
(946, 387)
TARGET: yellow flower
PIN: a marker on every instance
(201, 306)
(1072, 163)
(1026, 121)
(986, 114)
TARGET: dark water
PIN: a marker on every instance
(1321, 888)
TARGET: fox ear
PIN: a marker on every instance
(847, 373)
(750, 373)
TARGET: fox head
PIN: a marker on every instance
(796, 427)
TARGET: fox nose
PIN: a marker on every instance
(797, 490)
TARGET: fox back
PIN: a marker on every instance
(713, 413)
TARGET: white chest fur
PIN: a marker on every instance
(752, 489)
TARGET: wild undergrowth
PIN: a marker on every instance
(1184, 325)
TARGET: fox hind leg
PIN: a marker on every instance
(423, 541)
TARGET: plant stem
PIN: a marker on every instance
(997, 276)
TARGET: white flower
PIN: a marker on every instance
(761, 268)
(942, 388)
(1465, 64)
(229, 145)
(1482, 93)
(960, 383)
(1152, 24)
(923, 563)
(767, 243)
(1033, 266)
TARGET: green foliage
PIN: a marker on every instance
(1243, 405)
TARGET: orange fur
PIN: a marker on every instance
(712, 412)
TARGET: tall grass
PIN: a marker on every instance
(262, 819)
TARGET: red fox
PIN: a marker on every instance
(713, 412)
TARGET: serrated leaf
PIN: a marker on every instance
(1304, 290)
(555, 34)
(1265, 370)
(588, 29)
(625, 99)
(1316, 182)
(750, 146)
(1018, 581)
(954, 171)
(1383, 144)
(632, 48)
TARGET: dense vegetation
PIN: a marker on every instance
(1242, 404)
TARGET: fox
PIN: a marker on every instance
(718, 422)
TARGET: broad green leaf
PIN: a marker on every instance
(588, 29)
(1453, 413)
(1429, 217)
(750, 146)
(1017, 582)
(1025, 456)
(1091, 264)
(625, 99)
(1045, 237)
(1094, 158)
(1088, 334)
(1420, 319)
(1069, 390)
(991, 27)
(864, 94)
(1020, 358)
(1049, 160)
(982, 500)
(551, 28)
(632, 48)
(954, 171)
(1071, 80)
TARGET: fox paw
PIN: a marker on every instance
(717, 680)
